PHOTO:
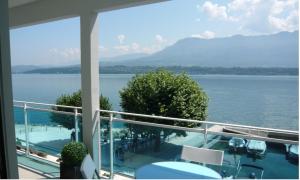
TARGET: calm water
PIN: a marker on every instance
(268, 101)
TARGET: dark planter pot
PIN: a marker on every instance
(70, 172)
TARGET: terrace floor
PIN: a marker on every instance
(27, 174)
(37, 166)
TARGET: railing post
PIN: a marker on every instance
(205, 135)
(26, 129)
(111, 146)
(99, 144)
(76, 124)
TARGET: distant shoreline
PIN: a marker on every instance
(193, 70)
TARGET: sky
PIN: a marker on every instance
(150, 28)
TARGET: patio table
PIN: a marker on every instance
(176, 170)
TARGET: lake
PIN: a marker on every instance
(266, 101)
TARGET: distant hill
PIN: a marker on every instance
(23, 68)
(277, 50)
(109, 61)
(175, 69)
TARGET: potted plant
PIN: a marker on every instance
(72, 155)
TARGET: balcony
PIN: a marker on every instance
(131, 144)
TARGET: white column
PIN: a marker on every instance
(89, 27)
(7, 126)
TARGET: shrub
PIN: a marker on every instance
(73, 153)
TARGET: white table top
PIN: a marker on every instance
(176, 170)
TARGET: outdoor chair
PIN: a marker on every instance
(88, 168)
(250, 171)
(202, 155)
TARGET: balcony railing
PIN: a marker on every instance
(131, 143)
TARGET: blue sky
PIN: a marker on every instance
(150, 28)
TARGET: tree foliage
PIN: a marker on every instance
(74, 99)
(163, 93)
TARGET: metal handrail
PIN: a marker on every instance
(201, 122)
(158, 117)
(47, 104)
(54, 111)
(204, 131)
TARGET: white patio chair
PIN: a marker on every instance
(202, 155)
(88, 168)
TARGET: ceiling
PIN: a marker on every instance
(24, 13)
(15, 3)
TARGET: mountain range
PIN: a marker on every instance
(275, 50)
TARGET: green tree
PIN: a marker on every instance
(163, 93)
(74, 99)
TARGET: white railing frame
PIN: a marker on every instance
(201, 122)
(47, 104)
(26, 129)
(111, 142)
(153, 116)
(205, 131)
(76, 124)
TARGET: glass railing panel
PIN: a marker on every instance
(245, 158)
(49, 132)
(139, 145)
(96, 144)
(134, 147)
(19, 127)
(105, 144)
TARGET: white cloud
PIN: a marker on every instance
(284, 15)
(68, 53)
(64, 55)
(242, 5)
(147, 50)
(205, 35)
(160, 39)
(135, 46)
(159, 42)
(255, 16)
(214, 10)
(290, 23)
(236, 5)
(122, 48)
(121, 38)
(277, 7)
(243, 8)
(103, 49)
(280, 5)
